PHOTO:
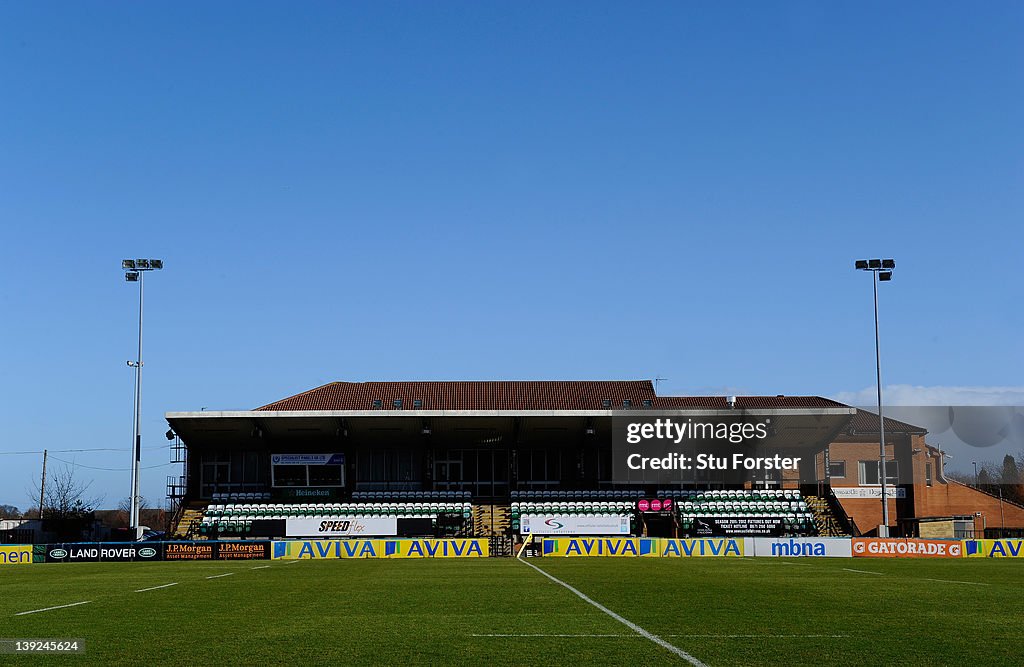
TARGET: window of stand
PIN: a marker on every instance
(869, 473)
(291, 475)
(231, 472)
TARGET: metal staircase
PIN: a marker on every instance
(825, 520)
(188, 524)
(491, 520)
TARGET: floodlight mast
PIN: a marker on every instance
(881, 269)
(134, 272)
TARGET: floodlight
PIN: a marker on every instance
(132, 276)
(881, 270)
(156, 263)
(142, 263)
(127, 263)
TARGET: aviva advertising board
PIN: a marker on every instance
(338, 549)
(994, 548)
(600, 546)
(721, 546)
(643, 546)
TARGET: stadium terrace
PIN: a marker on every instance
(510, 460)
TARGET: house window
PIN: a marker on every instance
(869, 473)
(837, 469)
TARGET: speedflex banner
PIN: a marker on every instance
(16, 555)
(574, 525)
(906, 548)
(342, 527)
(340, 549)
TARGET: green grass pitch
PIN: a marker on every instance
(501, 612)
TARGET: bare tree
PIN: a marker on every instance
(124, 508)
(9, 512)
(959, 476)
(66, 497)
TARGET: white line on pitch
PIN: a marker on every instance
(689, 636)
(952, 581)
(762, 636)
(143, 590)
(629, 624)
(218, 576)
(63, 606)
(862, 571)
(559, 636)
(294, 562)
(261, 567)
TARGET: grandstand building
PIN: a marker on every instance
(483, 458)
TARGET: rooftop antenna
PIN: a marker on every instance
(658, 380)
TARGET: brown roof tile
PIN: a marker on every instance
(517, 395)
(867, 422)
(721, 403)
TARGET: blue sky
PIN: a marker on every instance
(388, 191)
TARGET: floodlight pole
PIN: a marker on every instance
(881, 420)
(135, 271)
(136, 430)
(881, 269)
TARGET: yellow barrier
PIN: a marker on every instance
(327, 549)
(600, 546)
(466, 548)
(16, 555)
(707, 546)
(383, 548)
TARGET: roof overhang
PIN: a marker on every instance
(801, 427)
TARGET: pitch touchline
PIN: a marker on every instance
(560, 636)
(629, 624)
(63, 606)
(862, 571)
(690, 636)
(951, 581)
(762, 636)
(218, 576)
(143, 590)
(261, 567)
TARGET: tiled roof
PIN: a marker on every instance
(552, 395)
(580, 395)
(721, 403)
(867, 422)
